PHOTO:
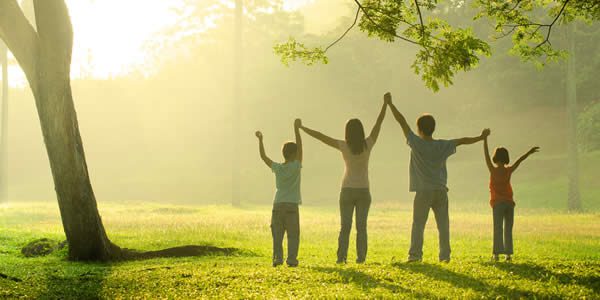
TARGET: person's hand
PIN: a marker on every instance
(387, 98)
(298, 123)
(534, 150)
(486, 132)
(259, 135)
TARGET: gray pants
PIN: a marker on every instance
(438, 202)
(504, 214)
(285, 219)
(351, 199)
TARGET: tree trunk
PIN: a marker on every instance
(574, 201)
(237, 78)
(45, 57)
(4, 124)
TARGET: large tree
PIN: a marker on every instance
(44, 53)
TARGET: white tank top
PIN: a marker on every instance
(356, 173)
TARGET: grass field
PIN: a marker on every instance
(557, 256)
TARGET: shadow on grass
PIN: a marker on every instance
(536, 272)
(463, 281)
(182, 251)
(78, 281)
(367, 282)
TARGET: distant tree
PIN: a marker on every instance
(237, 94)
(4, 124)
(45, 57)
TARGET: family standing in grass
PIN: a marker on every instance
(428, 179)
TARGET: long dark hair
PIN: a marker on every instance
(355, 136)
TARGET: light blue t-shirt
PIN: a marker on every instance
(428, 163)
(287, 181)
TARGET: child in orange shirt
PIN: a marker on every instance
(501, 197)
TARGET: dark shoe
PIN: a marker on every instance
(508, 258)
(341, 261)
(292, 265)
(495, 258)
(277, 263)
(413, 260)
(360, 261)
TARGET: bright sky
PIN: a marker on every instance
(109, 38)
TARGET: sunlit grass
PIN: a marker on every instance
(556, 256)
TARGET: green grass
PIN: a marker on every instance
(557, 256)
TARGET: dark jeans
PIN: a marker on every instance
(351, 199)
(504, 214)
(438, 202)
(285, 219)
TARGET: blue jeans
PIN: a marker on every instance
(351, 199)
(438, 202)
(504, 215)
(285, 219)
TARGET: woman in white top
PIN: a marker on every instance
(355, 194)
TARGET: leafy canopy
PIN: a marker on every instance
(443, 49)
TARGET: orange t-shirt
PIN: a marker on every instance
(500, 188)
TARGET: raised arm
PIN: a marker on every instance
(377, 127)
(321, 137)
(471, 140)
(297, 125)
(486, 151)
(397, 115)
(524, 157)
(261, 148)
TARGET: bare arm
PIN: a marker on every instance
(470, 140)
(261, 148)
(377, 127)
(524, 157)
(486, 152)
(397, 115)
(321, 137)
(297, 125)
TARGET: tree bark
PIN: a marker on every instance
(574, 201)
(4, 124)
(45, 57)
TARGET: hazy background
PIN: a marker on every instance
(153, 93)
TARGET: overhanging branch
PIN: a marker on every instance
(345, 32)
(21, 38)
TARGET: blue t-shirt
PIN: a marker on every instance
(428, 163)
(287, 181)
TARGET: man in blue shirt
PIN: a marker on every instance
(285, 216)
(428, 179)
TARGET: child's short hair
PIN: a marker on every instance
(426, 124)
(289, 149)
(501, 156)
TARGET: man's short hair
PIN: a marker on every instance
(426, 124)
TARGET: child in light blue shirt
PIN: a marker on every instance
(285, 218)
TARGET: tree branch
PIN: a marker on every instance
(20, 37)
(379, 26)
(55, 32)
(346, 32)
(547, 40)
(420, 19)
